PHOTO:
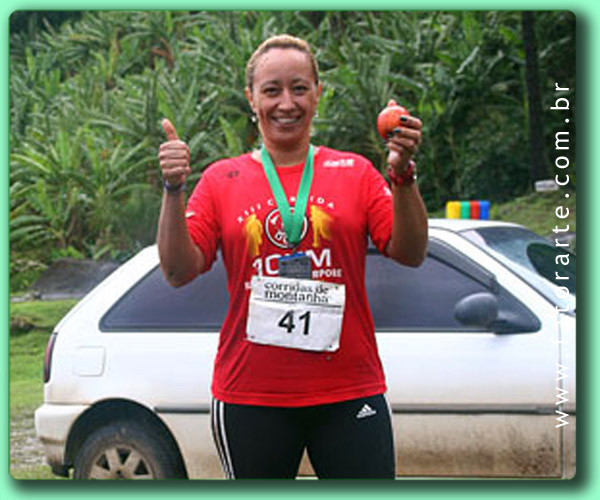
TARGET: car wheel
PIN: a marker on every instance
(126, 450)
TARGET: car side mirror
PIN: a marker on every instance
(477, 310)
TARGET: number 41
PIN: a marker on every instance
(287, 321)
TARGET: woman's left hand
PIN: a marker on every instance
(404, 143)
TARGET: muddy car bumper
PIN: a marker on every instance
(52, 425)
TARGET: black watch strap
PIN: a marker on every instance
(170, 188)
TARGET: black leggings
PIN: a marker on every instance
(351, 439)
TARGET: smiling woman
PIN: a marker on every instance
(283, 90)
(294, 373)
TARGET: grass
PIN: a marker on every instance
(45, 314)
(35, 472)
(27, 349)
(31, 326)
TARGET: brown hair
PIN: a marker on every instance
(280, 42)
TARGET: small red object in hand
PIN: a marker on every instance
(389, 119)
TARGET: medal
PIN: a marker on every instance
(291, 222)
(297, 266)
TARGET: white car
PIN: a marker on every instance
(477, 344)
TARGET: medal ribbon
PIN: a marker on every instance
(292, 222)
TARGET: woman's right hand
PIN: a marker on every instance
(174, 156)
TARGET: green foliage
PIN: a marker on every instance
(25, 268)
(87, 95)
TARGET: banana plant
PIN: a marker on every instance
(87, 97)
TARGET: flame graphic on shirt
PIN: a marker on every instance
(253, 229)
(321, 225)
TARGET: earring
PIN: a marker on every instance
(253, 118)
(316, 114)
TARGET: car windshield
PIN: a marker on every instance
(549, 269)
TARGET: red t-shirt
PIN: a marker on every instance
(233, 208)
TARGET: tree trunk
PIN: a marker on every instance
(536, 125)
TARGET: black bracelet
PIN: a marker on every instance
(170, 188)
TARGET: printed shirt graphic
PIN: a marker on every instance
(232, 209)
(253, 230)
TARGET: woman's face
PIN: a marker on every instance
(284, 97)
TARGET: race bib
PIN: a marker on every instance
(296, 313)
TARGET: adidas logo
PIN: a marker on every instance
(365, 411)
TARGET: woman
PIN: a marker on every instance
(297, 365)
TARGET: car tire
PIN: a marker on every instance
(126, 450)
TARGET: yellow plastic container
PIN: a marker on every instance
(453, 210)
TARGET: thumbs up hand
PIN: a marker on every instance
(174, 156)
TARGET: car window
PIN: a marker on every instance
(545, 258)
(153, 305)
(401, 298)
(425, 298)
(533, 258)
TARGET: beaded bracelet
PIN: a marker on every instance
(406, 178)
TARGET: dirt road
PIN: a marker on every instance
(26, 454)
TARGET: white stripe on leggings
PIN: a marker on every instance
(389, 407)
(220, 435)
(216, 437)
